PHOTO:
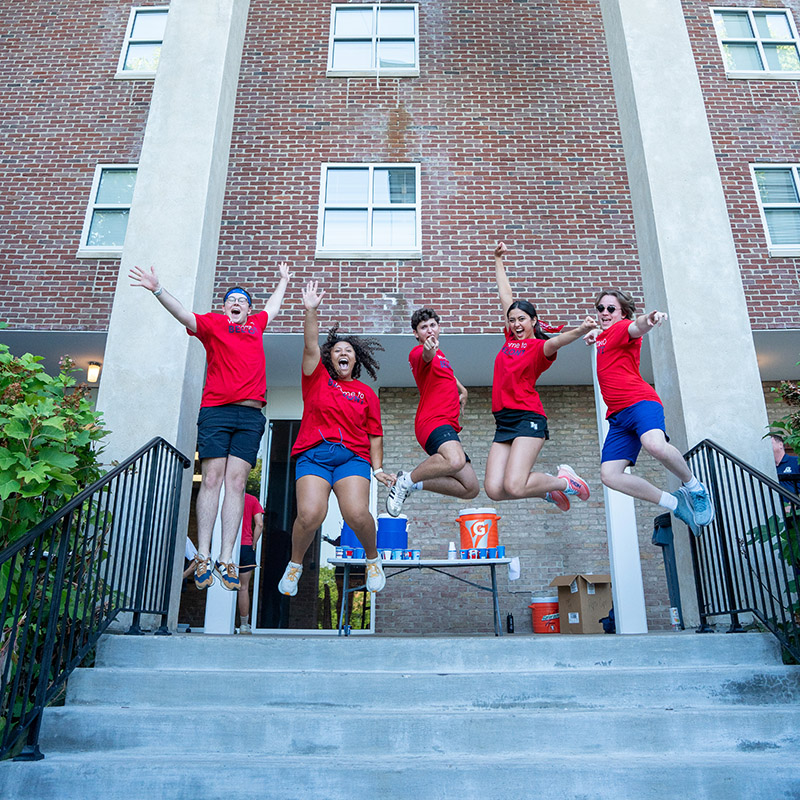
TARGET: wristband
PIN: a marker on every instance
(157, 292)
(376, 471)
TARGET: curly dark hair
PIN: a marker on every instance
(422, 315)
(364, 349)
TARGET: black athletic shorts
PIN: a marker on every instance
(512, 423)
(247, 558)
(230, 430)
(440, 435)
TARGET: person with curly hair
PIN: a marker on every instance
(521, 424)
(340, 442)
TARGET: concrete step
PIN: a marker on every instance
(742, 776)
(266, 731)
(460, 654)
(566, 688)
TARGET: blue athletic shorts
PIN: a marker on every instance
(331, 461)
(625, 429)
(230, 430)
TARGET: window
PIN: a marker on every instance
(369, 211)
(142, 47)
(107, 216)
(757, 43)
(374, 39)
(779, 203)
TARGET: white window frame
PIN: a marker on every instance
(764, 74)
(85, 250)
(777, 250)
(376, 70)
(131, 74)
(368, 254)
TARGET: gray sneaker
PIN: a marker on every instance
(684, 510)
(396, 497)
(702, 506)
(376, 579)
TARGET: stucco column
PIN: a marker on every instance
(704, 358)
(153, 372)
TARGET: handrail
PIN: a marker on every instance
(107, 551)
(747, 561)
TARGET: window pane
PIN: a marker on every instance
(782, 57)
(345, 230)
(142, 57)
(784, 225)
(396, 54)
(773, 26)
(742, 57)
(733, 24)
(349, 186)
(352, 55)
(149, 25)
(776, 186)
(108, 228)
(355, 22)
(396, 22)
(394, 186)
(116, 186)
(394, 229)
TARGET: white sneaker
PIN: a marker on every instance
(291, 577)
(245, 628)
(397, 495)
(376, 579)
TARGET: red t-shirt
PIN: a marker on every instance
(344, 412)
(237, 369)
(517, 367)
(618, 369)
(438, 393)
(251, 508)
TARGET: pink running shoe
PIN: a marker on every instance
(559, 499)
(575, 484)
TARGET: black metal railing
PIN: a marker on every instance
(109, 550)
(747, 561)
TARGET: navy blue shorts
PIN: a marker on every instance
(230, 430)
(247, 558)
(625, 429)
(511, 423)
(440, 435)
(332, 462)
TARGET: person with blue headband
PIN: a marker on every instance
(231, 423)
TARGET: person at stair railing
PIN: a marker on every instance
(636, 415)
(252, 525)
(339, 443)
(521, 424)
(785, 465)
(231, 422)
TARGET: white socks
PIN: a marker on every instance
(693, 485)
(668, 501)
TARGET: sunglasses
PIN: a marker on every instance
(610, 309)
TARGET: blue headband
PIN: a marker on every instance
(238, 290)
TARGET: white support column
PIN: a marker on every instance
(153, 372)
(220, 603)
(627, 587)
(704, 357)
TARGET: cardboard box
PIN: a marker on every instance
(582, 601)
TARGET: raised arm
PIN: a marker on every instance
(645, 323)
(567, 337)
(503, 286)
(273, 305)
(149, 281)
(312, 297)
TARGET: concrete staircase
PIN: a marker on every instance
(520, 717)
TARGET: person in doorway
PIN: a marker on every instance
(447, 470)
(340, 441)
(785, 465)
(521, 424)
(252, 525)
(636, 415)
(231, 422)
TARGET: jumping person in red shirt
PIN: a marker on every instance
(517, 408)
(636, 415)
(441, 397)
(230, 423)
(340, 437)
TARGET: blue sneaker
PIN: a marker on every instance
(203, 577)
(684, 510)
(702, 506)
(228, 576)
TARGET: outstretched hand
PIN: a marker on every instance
(283, 269)
(655, 318)
(312, 296)
(500, 251)
(431, 345)
(147, 280)
(591, 337)
(588, 325)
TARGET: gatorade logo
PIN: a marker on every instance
(478, 530)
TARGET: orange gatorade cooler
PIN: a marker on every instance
(478, 528)
(544, 611)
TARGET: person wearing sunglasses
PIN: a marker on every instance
(521, 424)
(231, 423)
(636, 415)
